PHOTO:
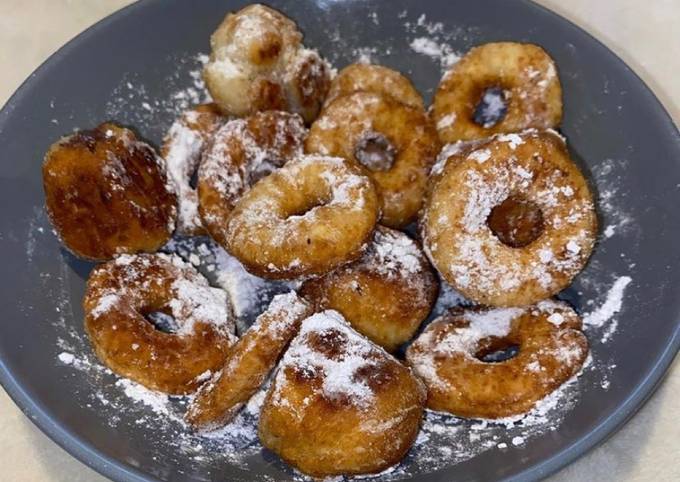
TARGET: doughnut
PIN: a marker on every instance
(248, 363)
(182, 147)
(258, 63)
(377, 79)
(385, 295)
(340, 405)
(498, 88)
(107, 193)
(511, 222)
(307, 218)
(395, 144)
(242, 152)
(457, 358)
(123, 300)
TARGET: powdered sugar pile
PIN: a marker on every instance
(433, 39)
(438, 51)
(604, 316)
(182, 149)
(393, 253)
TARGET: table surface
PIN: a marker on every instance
(644, 34)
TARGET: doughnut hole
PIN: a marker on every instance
(492, 106)
(162, 321)
(303, 206)
(496, 349)
(516, 222)
(265, 168)
(375, 152)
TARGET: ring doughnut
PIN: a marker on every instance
(248, 363)
(512, 221)
(123, 292)
(498, 88)
(450, 355)
(307, 218)
(385, 295)
(242, 152)
(340, 404)
(182, 147)
(377, 79)
(107, 193)
(395, 144)
(258, 63)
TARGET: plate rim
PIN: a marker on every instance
(120, 471)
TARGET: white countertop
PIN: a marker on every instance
(644, 33)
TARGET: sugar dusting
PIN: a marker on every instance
(441, 52)
(132, 102)
(339, 373)
(426, 37)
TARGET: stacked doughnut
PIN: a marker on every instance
(503, 215)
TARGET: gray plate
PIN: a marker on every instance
(616, 128)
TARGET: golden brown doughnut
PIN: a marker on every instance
(339, 404)
(248, 363)
(182, 148)
(377, 79)
(258, 63)
(395, 144)
(518, 78)
(107, 193)
(242, 152)
(512, 221)
(385, 295)
(449, 356)
(121, 293)
(309, 217)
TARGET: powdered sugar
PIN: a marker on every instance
(339, 373)
(66, 358)
(438, 51)
(156, 401)
(603, 317)
(446, 121)
(182, 149)
(396, 253)
(133, 102)
(105, 303)
(249, 295)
